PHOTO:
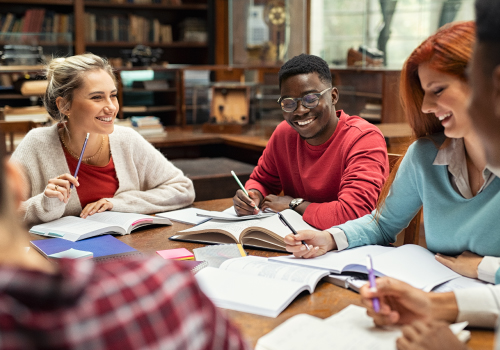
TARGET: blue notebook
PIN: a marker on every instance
(104, 247)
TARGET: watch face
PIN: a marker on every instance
(295, 202)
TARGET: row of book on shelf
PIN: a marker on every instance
(164, 2)
(36, 20)
(129, 28)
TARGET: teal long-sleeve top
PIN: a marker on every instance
(452, 223)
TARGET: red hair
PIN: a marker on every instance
(448, 51)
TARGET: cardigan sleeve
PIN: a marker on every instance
(401, 205)
(148, 182)
(38, 207)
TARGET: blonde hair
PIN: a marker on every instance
(65, 75)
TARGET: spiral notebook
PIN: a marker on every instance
(103, 248)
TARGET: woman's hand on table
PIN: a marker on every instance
(96, 207)
(465, 264)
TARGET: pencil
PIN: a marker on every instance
(241, 186)
(81, 157)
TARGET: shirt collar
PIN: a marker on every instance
(453, 155)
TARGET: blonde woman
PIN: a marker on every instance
(120, 171)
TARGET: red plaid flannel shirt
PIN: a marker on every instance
(133, 304)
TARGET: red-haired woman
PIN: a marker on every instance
(444, 170)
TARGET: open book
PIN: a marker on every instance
(350, 328)
(409, 263)
(254, 285)
(74, 228)
(267, 232)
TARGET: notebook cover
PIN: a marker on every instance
(104, 247)
(193, 265)
(177, 253)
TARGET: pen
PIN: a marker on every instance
(241, 186)
(286, 223)
(371, 279)
(81, 157)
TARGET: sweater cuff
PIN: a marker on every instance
(254, 185)
(339, 237)
(487, 268)
(479, 306)
(49, 204)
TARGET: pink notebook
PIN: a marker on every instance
(178, 253)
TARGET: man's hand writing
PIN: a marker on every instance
(244, 205)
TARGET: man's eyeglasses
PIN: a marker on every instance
(309, 101)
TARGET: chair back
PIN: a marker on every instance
(9, 129)
(411, 233)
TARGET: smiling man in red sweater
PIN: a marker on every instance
(330, 166)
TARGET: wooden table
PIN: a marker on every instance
(326, 300)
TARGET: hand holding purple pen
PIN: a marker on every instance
(371, 280)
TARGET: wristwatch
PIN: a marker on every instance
(295, 203)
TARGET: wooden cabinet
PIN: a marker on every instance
(370, 93)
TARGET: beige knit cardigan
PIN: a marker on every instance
(148, 182)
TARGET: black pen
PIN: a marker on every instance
(286, 223)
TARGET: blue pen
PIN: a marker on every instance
(81, 157)
(371, 279)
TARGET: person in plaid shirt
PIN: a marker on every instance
(128, 304)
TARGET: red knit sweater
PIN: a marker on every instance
(95, 182)
(342, 178)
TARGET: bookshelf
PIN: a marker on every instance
(183, 29)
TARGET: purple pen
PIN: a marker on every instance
(371, 280)
(81, 157)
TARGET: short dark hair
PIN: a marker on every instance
(305, 64)
(488, 20)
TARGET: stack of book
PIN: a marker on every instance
(194, 30)
(372, 112)
(148, 126)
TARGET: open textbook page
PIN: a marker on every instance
(267, 232)
(254, 285)
(230, 215)
(409, 263)
(74, 228)
(350, 329)
(186, 216)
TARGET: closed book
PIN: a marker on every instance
(103, 248)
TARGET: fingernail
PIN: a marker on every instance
(316, 248)
(303, 248)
